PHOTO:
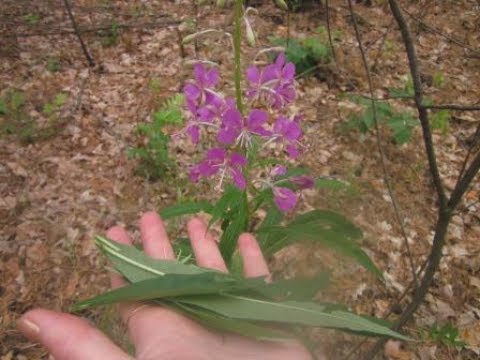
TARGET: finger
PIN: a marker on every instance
(68, 337)
(254, 263)
(204, 246)
(118, 234)
(154, 237)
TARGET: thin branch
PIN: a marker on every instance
(473, 144)
(330, 40)
(438, 32)
(382, 43)
(446, 207)
(386, 176)
(422, 111)
(84, 30)
(390, 310)
(454, 107)
(89, 58)
(464, 183)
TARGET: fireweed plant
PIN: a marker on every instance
(246, 132)
(242, 138)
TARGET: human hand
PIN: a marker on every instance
(159, 333)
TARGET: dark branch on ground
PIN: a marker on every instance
(454, 107)
(89, 58)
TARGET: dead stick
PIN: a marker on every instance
(386, 176)
(89, 58)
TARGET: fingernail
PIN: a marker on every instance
(29, 328)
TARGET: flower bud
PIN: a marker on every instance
(250, 34)
(282, 4)
(302, 181)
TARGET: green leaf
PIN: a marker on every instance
(331, 184)
(237, 224)
(400, 93)
(229, 200)
(222, 323)
(273, 217)
(401, 125)
(3, 107)
(292, 312)
(295, 289)
(136, 266)
(60, 99)
(185, 209)
(440, 121)
(171, 285)
(328, 228)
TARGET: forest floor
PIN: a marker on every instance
(65, 175)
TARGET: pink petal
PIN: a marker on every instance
(284, 198)
(238, 178)
(237, 159)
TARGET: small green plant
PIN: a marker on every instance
(440, 121)
(407, 91)
(53, 65)
(401, 124)
(52, 108)
(32, 19)
(155, 85)
(438, 80)
(447, 335)
(110, 37)
(14, 119)
(155, 161)
(308, 53)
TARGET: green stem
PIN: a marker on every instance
(237, 39)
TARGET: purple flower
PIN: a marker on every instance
(236, 128)
(204, 79)
(218, 160)
(288, 132)
(275, 83)
(284, 198)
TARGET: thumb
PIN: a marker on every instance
(68, 337)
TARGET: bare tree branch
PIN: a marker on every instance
(454, 107)
(89, 58)
(438, 32)
(422, 111)
(84, 30)
(446, 206)
(327, 11)
(386, 176)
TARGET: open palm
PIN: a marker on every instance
(160, 333)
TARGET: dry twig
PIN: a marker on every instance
(386, 176)
(446, 205)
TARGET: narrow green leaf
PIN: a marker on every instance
(185, 209)
(273, 217)
(236, 226)
(292, 312)
(241, 327)
(229, 200)
(303, 289)
(331, 184)
(171, 285)
(136, 266)
(330, 229)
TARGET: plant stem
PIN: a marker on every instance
(237, 39)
